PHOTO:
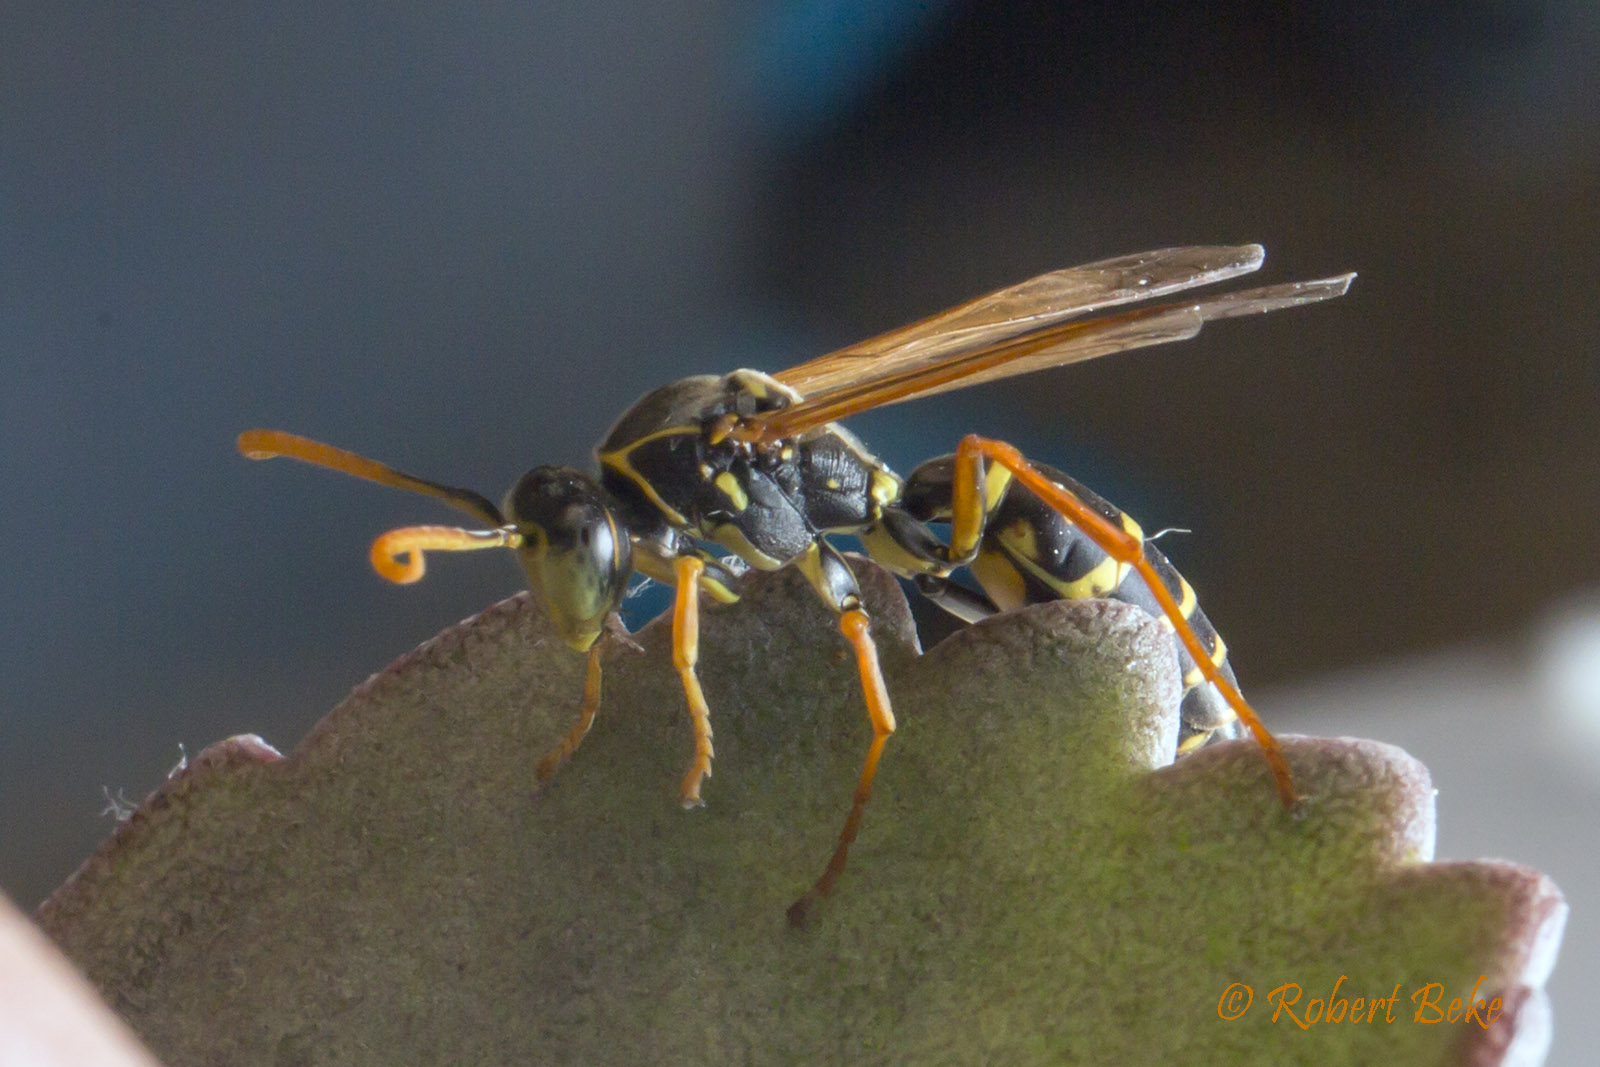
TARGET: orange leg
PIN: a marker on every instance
(685, 654)
(857, 628)
(551, 761)
(967, 514)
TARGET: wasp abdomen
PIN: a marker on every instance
(1030, 554)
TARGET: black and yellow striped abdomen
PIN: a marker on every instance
(1030, 554)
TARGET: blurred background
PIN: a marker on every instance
(462, 238)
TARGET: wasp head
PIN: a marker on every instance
(575, 552)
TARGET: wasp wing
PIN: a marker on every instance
(1168, 322)
(1056, 345)
(1023, 308)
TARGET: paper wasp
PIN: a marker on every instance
(758, 465)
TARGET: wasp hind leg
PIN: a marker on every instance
(831, 577)
(967, 522)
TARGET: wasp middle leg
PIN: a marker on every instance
(830, 575)
(691, 573)
(685, 654)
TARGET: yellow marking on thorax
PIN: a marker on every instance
(733, 538)
(885, 487)
(732, 490)
(619, 462)
(654, 435)
(761, 385)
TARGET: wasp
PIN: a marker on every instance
(758, 465)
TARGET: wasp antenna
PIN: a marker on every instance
(269, 444)
(397, 555)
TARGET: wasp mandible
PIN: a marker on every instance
(758, 464)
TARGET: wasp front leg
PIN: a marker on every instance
(552, 760)
(830, 575)
(690, 573)
(970, 506)
(685, 655)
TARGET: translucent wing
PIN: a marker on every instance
(1167, 322)
(1023, 308)
(1071, 341)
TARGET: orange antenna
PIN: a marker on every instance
(397, 555)
(268, 444)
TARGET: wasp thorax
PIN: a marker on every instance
(576, 555)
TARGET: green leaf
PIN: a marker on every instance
(1031, 885)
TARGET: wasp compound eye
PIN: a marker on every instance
(574, 552)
